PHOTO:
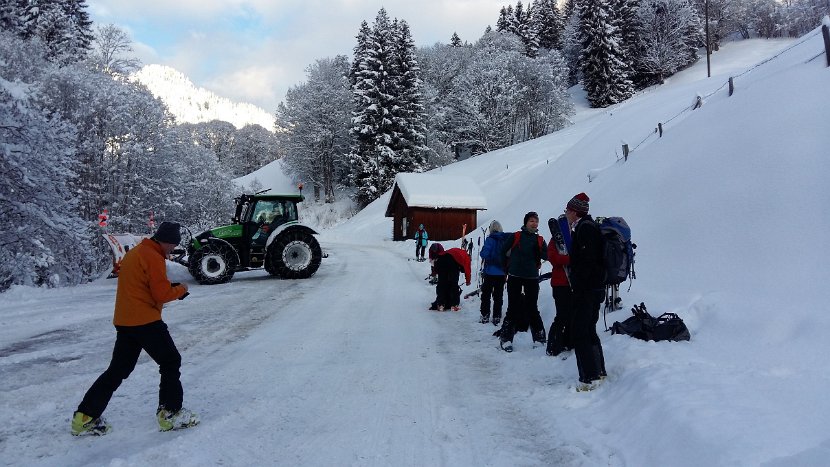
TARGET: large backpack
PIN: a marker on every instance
(618, 251)
(666, 327)
(516, 238)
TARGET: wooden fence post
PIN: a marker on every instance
(731, 85)
(698, 103)
(625, 151)
(660, 129)
(825, 31)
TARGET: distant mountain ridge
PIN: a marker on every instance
(192, 104)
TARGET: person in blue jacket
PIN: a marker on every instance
(421, 240)
(493, 277)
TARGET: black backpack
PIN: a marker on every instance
(618, 251)
(666, 327)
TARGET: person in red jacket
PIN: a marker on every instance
(448, 265)
(559, 336)
(142, 291)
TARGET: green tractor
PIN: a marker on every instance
(265, 233)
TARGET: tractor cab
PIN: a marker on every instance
(259, 215)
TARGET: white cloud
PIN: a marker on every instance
(256, 49)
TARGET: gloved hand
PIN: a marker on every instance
(186, 293)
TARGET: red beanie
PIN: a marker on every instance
(579, 204)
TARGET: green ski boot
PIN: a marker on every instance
(168, 420)
(84, 425)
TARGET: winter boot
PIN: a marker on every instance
(507, 346)
(168, 420)
(585, 387)
(484, 319)
(84, 425)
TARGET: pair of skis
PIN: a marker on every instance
(561, 237)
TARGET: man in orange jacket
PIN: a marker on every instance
(143, 289)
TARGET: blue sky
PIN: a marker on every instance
(254, 50)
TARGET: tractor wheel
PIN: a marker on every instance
(295, 254)
(214, 263)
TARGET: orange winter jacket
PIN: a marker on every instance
(143, 287)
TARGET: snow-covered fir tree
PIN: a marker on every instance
(316, 117)
(408, 117)
(62, 25)
(526, 28)
(455, 41)
(604, 73)
(382, 123)
(548, 23)
(360, 50)
(506, 19)
(625, 21)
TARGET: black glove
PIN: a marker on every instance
(173, 284)
(185, 295)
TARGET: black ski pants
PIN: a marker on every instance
(420, 249)
(560, 335)
(522, 309)
(129, 341)
(492, 286)
(588, 349)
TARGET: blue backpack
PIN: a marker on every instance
(618, 251)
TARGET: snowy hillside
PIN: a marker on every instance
(269, 177)
(191, 104)
(729, 211)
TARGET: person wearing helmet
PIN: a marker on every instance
(447, 266)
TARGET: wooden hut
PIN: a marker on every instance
(443, 203)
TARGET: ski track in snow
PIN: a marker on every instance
(377, 376)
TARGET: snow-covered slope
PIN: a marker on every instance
(191, 104)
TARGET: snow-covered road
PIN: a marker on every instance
(347, 368)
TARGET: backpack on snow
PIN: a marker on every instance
(666, 327)
(618, 251)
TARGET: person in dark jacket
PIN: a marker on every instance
(142, 291)
(587, 282)
(492, 284)
(447, 265)
(559, 338)
(524, 258)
